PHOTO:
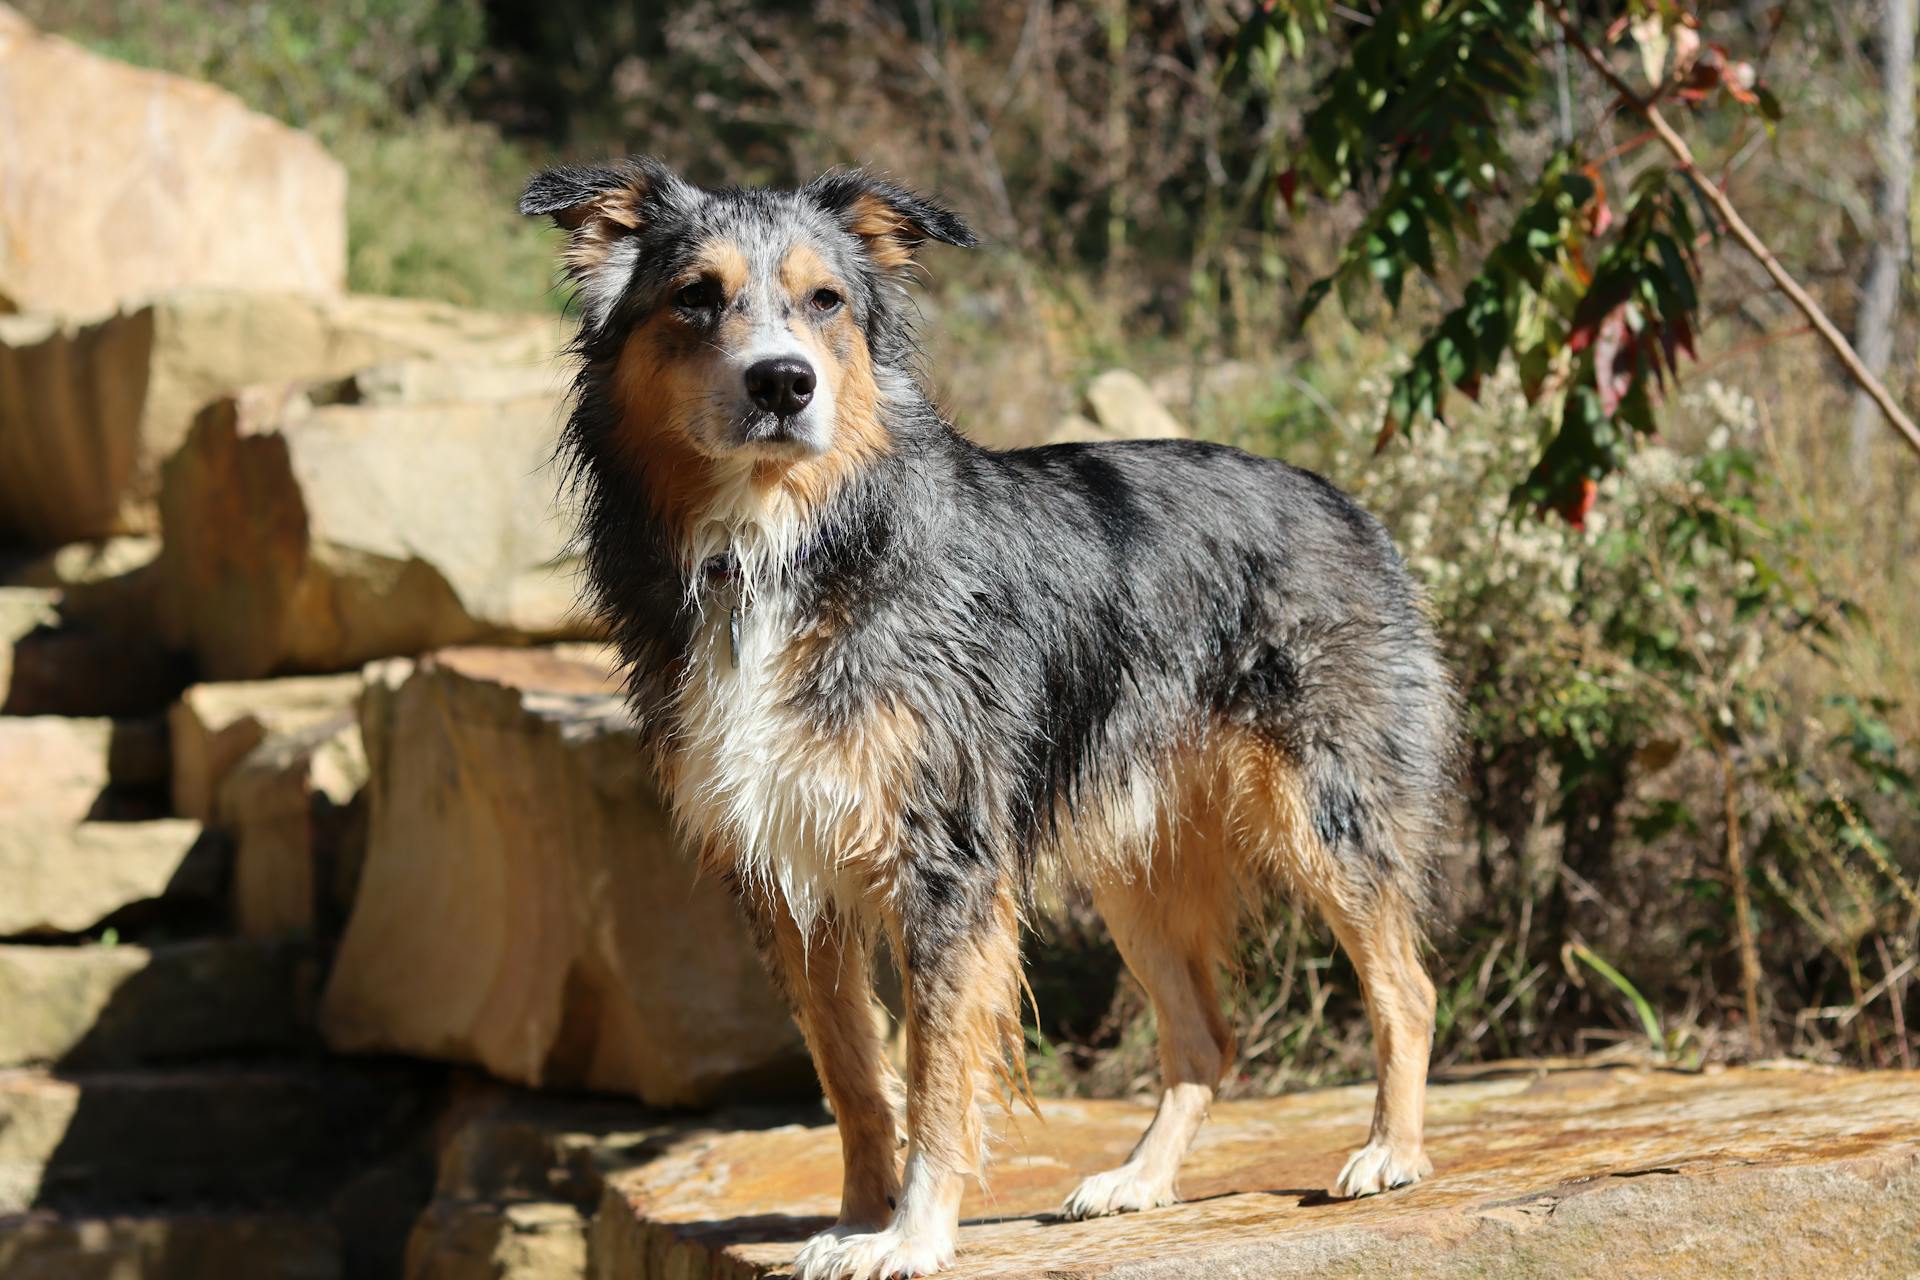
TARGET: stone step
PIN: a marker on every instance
(68, 879)
(66, 769)
(213, 727)
(247, 1136)
(499, 1240)
(519, 1177)
(102, 1006)
(1624, 1173)
(53, 663)
(160, 1246)
(505, 786)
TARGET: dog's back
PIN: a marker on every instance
(1146, 601)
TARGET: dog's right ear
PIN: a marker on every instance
(603, 208)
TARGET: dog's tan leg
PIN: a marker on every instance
(827, 976)
(1173, 934)
(1374, 923)
(1379, 936)
(962, 998)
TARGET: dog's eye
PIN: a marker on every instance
(701, 295)
(824, 300)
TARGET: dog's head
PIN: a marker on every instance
(739, 326)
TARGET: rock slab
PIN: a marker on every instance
(91, 408)
(1617, 1173)
(367, 531)
(291, 809)
(120, 182)
(114, 1006)
(524, 904)
(65, 879)
(236, 1135)
(59, 769)
(182, 1246)
(213, 727)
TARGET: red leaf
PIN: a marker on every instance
(1613, 360)
(1599, 212)
(1683, 336)
(1574, 505)
(1289, 182)
(1471, 385)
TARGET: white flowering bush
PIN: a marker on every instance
(1637, 689)
(1662, 765)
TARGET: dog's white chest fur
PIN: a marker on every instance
(753, 771)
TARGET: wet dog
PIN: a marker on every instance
(889, 678)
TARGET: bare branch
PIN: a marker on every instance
(1683, 157)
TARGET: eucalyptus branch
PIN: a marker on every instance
(1737, 226)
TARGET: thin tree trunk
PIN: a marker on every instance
(1880, 296)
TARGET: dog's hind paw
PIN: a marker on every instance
(1378, 1167)
(1123, 1190)
(838, 1254)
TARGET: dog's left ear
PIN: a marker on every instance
(892, 222)
(604, 208)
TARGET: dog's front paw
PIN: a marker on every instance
(840, 1254)
(1123, 1190)
(1379, 1167)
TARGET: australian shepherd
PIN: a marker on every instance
(890, 679)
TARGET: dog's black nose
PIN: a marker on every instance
(781, 386)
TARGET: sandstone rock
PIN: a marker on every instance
(369, 531)
(53, 664)
(100, 1006)
(69, 879)
(1216, 381)
(524, 905)
(517, 1240)
(90, 410)
(78, 565)
(1623, 1174)
(161, 1246)
(59, 769)
(74, 669)
(502, 1144)
(91, 649)
(458, 381)
(1076, 429)
(108, 583)
(122, 182)
(194, 1135)
(289, 807)
(23, 611)
(519, 1176)
(215, 725)
(1124, 408)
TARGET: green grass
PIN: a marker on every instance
(430, 215)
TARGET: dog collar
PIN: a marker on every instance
(722, 573)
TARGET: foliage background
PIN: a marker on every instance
(1706, 695)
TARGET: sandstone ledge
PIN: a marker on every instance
(1622, 1173)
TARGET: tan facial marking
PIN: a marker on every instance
(802, 271)
(660, 389)
(724, 261)
(838, 349)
